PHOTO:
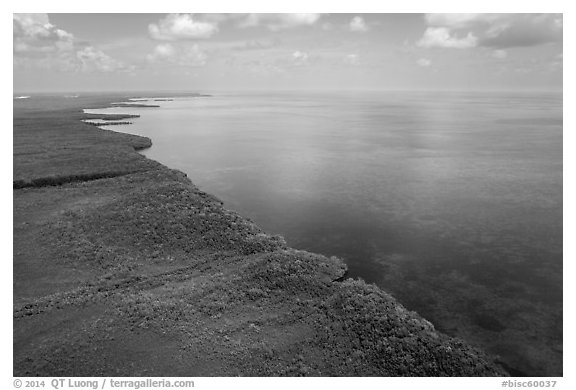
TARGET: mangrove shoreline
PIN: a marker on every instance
(123, 267)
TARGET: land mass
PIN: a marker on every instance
(135, 105)
(123, 267)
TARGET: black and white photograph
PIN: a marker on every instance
(331, 194)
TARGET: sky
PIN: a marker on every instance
(306, 51)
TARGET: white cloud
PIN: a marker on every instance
(357, 24)
(500, 54)
(40, 44)
(163, 51)
(493, 30)
(260, 44)
(424, 62)
(441, 37)
(300, 58)
(33, 34)
(455, 21)
(183, 55)
(182, 27)
(524, 30)
(92, 59)
(280, 21)
(32, 19)
(175, 27)
(352, 59)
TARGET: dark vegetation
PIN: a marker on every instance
(135, 105)
(123, 267)
(110, 117)
(112, 123)
(59, 180)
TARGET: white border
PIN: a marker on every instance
(356, 6)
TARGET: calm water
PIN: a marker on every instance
(451, 202)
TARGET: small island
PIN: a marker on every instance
(135, 105)
(112, 123)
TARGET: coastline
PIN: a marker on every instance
(142, 267)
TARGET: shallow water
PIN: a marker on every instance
(450, 201)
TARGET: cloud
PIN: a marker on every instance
(352, 59)
(357, 24)
(441, 37)
(262, 44)
(424, 62)
(455, 21)
(40, 44)
(500, 54)
(277, 22)
(300, 58)
(183, 56)
(491, 30)
(33, 34)
(161, 52)
(177, 27)
(182, 27)
(524, 30)
(92, 59)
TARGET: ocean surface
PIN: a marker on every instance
(452, 202)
